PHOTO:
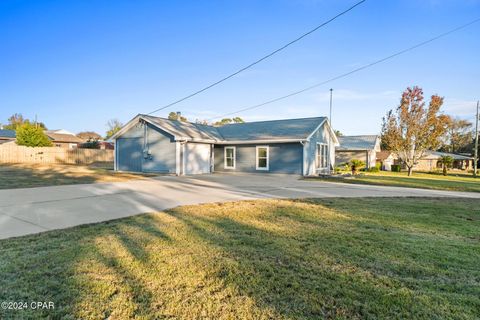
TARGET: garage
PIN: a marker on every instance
(145, 148)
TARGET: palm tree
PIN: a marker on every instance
(447, 162)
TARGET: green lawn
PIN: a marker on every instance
(42, 175)
(454, 182)
(273, 259)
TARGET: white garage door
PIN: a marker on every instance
(197, 158)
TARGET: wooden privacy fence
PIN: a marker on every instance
(20, 154)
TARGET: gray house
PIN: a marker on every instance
(363, 148)
(298, 146)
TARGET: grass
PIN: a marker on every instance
(41, 175)
(270, 259)
(452, 182)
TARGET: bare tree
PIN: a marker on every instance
(412, 129)
(459, 136)
(114, 125)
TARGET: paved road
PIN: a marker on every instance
(26, 211)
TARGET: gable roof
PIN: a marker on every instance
(365, 142)
(383, 155)
(9, 134)
(288, 130)
(60, 137)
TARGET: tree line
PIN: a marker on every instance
(177, 116)
(32, 133)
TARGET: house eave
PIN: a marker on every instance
(264, 141)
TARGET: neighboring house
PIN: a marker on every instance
(63, 139)
(105, 145)
(363, 148)
(386, 160)
(431, 161)
(152, 144)
(7, 135)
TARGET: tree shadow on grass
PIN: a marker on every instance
(314, 272)
(293, 260)
(78, 267)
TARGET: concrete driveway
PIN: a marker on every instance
(26, 211)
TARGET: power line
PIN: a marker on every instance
(343, 75)
(259, 60)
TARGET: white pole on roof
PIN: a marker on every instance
(330, 117)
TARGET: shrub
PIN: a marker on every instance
(396, 168)
(32, 135)
(447, 162)
(374, 169)
(91, 144)
(342, 167)
(357, 163)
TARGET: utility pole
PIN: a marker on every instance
(475, 158)
(330, 118)
(329, 146)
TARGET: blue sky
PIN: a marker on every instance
(77, 64)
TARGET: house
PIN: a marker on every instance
(63, 138)
(105, 145)
(386, 160)
(431, 161)
(7, 135)
(363, 148)
(298, 146)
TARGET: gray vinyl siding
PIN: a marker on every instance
(129, 154)
(283, 158)
(320, 136)
(160, 145)
(162, 150)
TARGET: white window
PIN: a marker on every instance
(230, 157)
(262, 157)
(322, 156)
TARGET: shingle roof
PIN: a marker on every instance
(186, 129)
(366, 142)
(382, 155)
(438, 154)
(291, 129)
(60, 137)
(10, 134)
(295, 129)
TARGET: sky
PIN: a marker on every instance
(77, 64)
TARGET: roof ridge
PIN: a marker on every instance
(290, 119)
(228, 124)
